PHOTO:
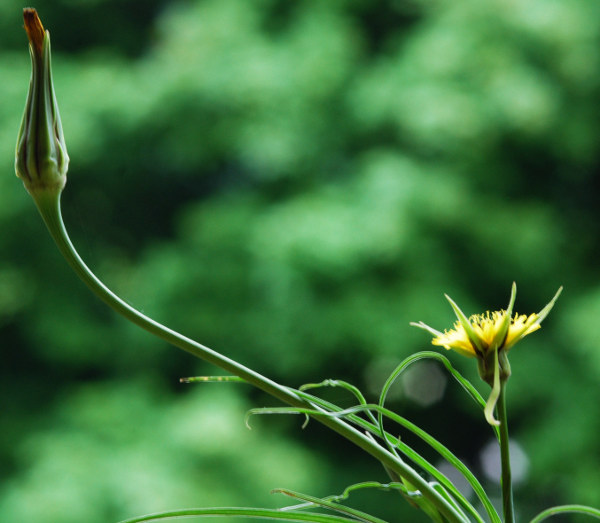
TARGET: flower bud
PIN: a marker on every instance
(41, 155)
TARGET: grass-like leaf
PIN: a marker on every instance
(243, 512)
(370, 485)
(405, 449)
(212, 379)
(464, 382)
(343, 384)
(328, 503)
(324, 409)
(392, 442)
(566, 509)
(445, 453)
(441, 449)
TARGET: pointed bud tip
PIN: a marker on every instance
(35, 29)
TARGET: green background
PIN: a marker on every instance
(291, 183)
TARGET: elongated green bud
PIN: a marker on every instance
(41, 156)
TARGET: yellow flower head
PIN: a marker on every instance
(486, 328)
(481, 334)
(488, 337)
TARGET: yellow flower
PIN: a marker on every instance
(481, 334)
(486, 327)
(488, 337)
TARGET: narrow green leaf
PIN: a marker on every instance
(450, 499)
(565, 509)
(370, 484)
(332, 505)
(464, 382)
(470, 389)
(212, 379)
(349, 415)
(343, 384)
(410, 453)
(243, 512)
(443, 451)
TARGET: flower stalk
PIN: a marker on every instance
(49, 207)
(506, 477)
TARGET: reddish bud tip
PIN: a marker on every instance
(34, 28)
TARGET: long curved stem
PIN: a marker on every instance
(49, 206)
(506, 480)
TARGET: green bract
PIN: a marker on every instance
(41, 156)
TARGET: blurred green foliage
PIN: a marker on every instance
(291, 183)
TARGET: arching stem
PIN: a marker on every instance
(48, 204)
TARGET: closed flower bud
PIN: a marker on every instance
(41, 155)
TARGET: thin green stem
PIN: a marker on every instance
(49, 206)
(506, 480)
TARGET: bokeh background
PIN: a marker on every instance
(292, 183)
